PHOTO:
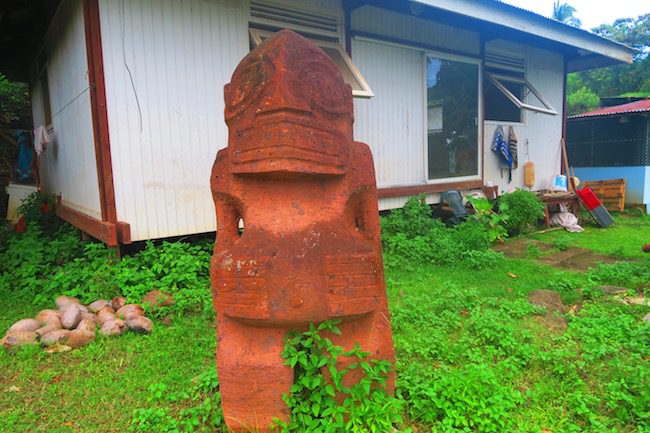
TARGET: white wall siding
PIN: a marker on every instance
(180, 54)
(392, 123)
(540, 134)
(68, 166)
(381, 22)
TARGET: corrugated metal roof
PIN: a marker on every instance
(632, 107)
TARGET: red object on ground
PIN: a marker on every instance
(590, 200)
(310, 250)
(21, 225)
(646, 248)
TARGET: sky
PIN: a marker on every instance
(592, 13)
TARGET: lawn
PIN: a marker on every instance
(473, 354)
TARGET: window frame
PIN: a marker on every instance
(479, 116)
(496, 78)
(257, 36)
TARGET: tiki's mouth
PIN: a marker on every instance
(279, 140)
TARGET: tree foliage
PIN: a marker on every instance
(14, 100)
(565, 13)
(621, 80)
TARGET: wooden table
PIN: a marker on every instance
(570, 199)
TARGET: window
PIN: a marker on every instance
(452, 118)
(507, 92)
(318, 26)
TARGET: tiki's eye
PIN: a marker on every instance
(247, 82)
(323, 86)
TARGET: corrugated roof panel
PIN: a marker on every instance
(632, 107)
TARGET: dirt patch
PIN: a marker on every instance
(519, 247)
(576, 259)
(553, 319)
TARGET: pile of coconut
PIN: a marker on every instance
(74, 325)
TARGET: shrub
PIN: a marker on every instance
(524, 210)
(39, 208)
(364, 406)
(411, 234)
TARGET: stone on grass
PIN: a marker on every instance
(18, 338)
(118, 302)
(157, 299)
(104, 315)
(49, 317)
(140, 324)
(98, 305)
(646, 318)
(88, 316)
(113, 328)
(47, 329)
(129, 311)
(86, 325)
(70, 316)
(29, 325)
(80, 337)
(58, 336)
(63, 301)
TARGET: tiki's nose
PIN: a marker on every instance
(281, 97)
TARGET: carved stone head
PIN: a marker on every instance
(288, 110)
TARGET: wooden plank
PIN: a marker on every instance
(103, 230)
(404, 191)
(611, 192)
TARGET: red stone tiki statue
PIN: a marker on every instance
(310, 247)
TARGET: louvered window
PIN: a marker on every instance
(507, 92)
(322, 29)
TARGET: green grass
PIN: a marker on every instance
(472, 354)
(624, 238)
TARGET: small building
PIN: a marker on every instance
(613, 143)
(131, 92)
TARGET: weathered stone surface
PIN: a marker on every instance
(88, 316)
(87, 325)
(29, 325)
(104, 315)
(63, 301)
(118, 302)
(130, 311)
(310, 248)
(140, 324)
(48, 317)
(157, 298)
(55, 337)
(47, 329)
(70, 316)
(80, 337)
(18, 338)
(114, 327)
(98, 305)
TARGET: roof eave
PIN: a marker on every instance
(595, 51)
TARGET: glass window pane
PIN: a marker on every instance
(498, 106)
(452, 118)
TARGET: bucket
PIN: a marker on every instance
(559, 183)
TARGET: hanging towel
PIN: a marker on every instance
(500, 146)
(512, 146)
(41, 139)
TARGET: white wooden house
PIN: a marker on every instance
(131, 91)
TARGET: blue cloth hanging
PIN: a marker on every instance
(25, 155)
(500, 146)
